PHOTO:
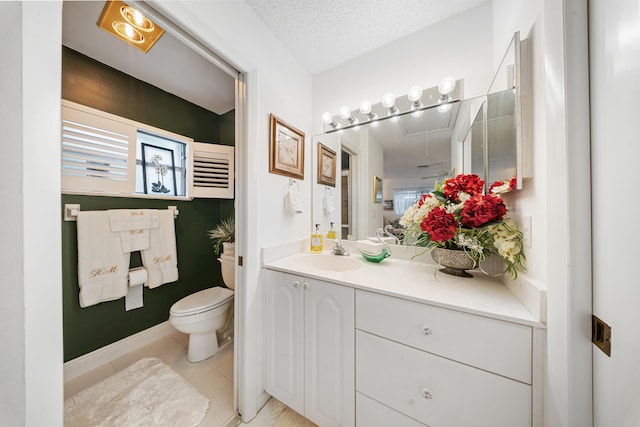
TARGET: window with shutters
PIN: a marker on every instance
(110, 155)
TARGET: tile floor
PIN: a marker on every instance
(212, 377)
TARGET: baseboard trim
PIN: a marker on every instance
(87, 362)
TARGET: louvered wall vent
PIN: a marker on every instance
(213, 171)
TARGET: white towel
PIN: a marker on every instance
(161, 260)
(133, 226)
(133, 219)
(292, 198)
(327, 200)
(102, 265)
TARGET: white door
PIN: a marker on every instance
(614, 37)
(329, 354)
(284, 345)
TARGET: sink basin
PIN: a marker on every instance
(332, 262)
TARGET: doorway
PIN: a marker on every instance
(172, 80)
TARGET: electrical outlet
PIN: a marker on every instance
(525, 227)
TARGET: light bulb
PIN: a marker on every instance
(365, 107)
(446, 86)
(137, 16)
(414, 93)
(444, 108)
(388, 100)
(394, 119)
(417, 113)
(345, 112)
(327, 117)
(129, 31)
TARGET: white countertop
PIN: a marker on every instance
(415, 280)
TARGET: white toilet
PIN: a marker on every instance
(203, 314)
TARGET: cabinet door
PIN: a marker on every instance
(284, 345)
(329, 354)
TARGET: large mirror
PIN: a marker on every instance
(414, 148)
(507, 117)
(410, 149)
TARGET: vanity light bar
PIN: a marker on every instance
(415, 102)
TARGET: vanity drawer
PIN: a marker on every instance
(489, 344)
(370, 413)
(437, 391)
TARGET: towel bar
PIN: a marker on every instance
(71, 211)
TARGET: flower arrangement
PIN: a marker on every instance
(457, 215)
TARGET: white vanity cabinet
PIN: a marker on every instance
(421, 364)
(309, 343)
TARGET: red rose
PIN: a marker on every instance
(423, 199)
(470, 184)
(512, 184)
(480, 210)
(440, 225)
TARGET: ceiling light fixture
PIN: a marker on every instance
(129, 25)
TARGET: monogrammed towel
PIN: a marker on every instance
(161, 260)
(102, 265)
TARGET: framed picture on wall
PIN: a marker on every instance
(326, 165)
(158, 172)
(377, 190)
(286, 149)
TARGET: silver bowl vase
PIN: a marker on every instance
(455, 262)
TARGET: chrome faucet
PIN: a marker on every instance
(338, 249)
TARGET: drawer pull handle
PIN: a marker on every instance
(427, 330)
(426, 393)
(296, 284)
(305, 285)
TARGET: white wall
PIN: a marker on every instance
(557, 203)
(276, 83)
(460, 47)
(30, 255)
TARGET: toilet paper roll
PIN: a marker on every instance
(137, 278)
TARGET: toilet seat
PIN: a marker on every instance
(201, 301)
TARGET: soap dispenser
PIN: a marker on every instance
(331, 234)
(316, 240)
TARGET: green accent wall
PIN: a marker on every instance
(91, 83)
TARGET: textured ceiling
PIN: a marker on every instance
(324, 33)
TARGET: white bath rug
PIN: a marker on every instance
(284, 416)
(147, 393)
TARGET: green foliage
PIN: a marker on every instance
(222, 233)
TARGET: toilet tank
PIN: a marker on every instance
(228, 270)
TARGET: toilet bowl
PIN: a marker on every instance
(201, 315)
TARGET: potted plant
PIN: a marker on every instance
(223, 237)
